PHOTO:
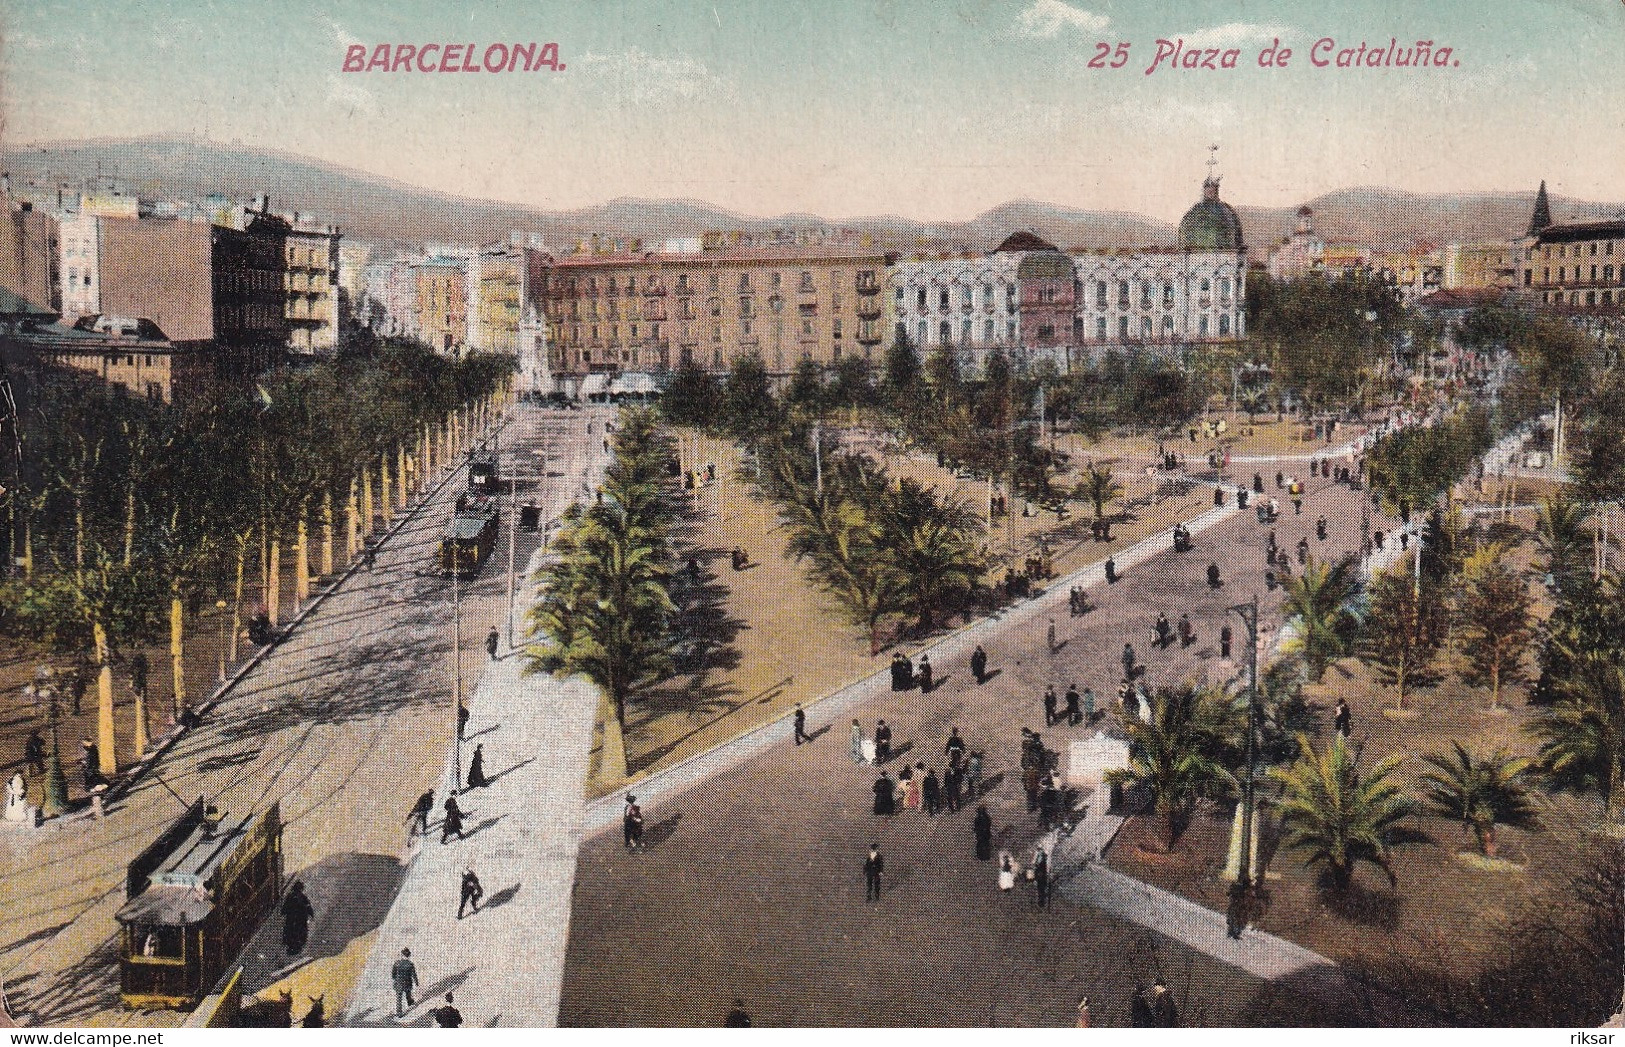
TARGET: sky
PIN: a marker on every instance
(929, 109)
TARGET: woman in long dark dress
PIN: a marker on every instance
(984, 834)
(476, 769)
(885, 795)
(296, 914)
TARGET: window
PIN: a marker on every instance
(965, 297)
(1224, 289)
(715, 306)
(1145, 295)
(778, 279)
(744, 283)
(1122, 295)
(1145, 327)
(1206, 285)
(900, 298)
(716, 333)
(1201, 326)
(716, 356)
(1100, 326)
(1122, 328)
(942, 299)
(744, 307)
(634, 331)
(921, 297)
(835, 328)
(1224, 324)
(1100, 295)
(944, 332)
(1046, 332)
(1010, 332)
(682, 283)
(964, 332)
(835, 279)
(714, 281)
(987, 296)
(1167, 327)
(902, 330)
(744, 329)
(987, 331)
(806, 282)
(920, 332)
(1607, 273)
(807, 329)
(1168, 295)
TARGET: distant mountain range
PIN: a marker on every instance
(376, 209)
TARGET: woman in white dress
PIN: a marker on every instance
(1007, 871)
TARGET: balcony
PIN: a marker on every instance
(868, 337)
(869, 309)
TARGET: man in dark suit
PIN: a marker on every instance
(873, 867)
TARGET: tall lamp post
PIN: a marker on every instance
(1241, 891)
(457, 667)
(56, 784)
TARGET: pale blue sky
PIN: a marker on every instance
(935, 110)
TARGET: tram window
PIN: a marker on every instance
(166, 943)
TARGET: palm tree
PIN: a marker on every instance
(1482, 791)
(931, 545)
(1561, 534)
(1582, 737)
(1180, 756)
(1336, 814)
(1318, 608)
(1100, 487)
(1254, 401)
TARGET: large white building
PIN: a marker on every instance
(968, 302)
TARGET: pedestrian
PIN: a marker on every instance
(1213, 580)
(1139, 1009)
(1377, 537)
(978, 664)
(1320, 528)
(369, 556)
(902, 672)
(1083, 1013)
(1050, 702)
(1404, 540)
(973, 775)
(1224, 642)
(1303, 551)
(913, 789)
(955, 749)
(1164, 631)
(1258, 484)
(1164, 1015)
(1280, 480)
(1088, 706)
(1074, 713)
(1187, 632)
(737, 1018)
(932, 789)
(1007, 871)
(491, 642)
(34, 754)
(874, 867)
(983, 827)
(857, 742)
(1342, 718)
(296, 914)
(882, 741)
(925, 674)
(476, 769)
(462, 719)
(471, 893)
(1049, 802)
(885, 791)
(447, 1016)
(1072, 602)
(452, 822)
(1297, 505)
(1111, 571)
(1040, 872)
(91, 758)
(404, 976)
(632, 823)
(418, 819)
(801, 725)
(1128, 660)
(953, 786)
(1030, 778)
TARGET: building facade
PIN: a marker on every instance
(970, 304)
(442, 303)
(131, 354)
(311, 286)
(29, 259)
(1576, 266)
(496, 293)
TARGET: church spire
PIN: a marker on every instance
(1543, 211)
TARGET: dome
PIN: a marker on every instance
(1211, 225)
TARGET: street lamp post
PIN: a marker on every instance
(1248, 613)
(220, 606)
(457, 669)
(56, 783)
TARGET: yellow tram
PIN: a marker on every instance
(194, 898)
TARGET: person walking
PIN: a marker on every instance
(1083, 1021)
(1088, 706)
(925, 674)
(1051, 636)
(801, 725)
(462, 719)
(491, 642)
(882, 741)
(34, 754)
(1111, 571)
(1187, 632)
(403, 975)
(632, 823)
(1303, 552)
(973, 775)
(1224, 641)
(913, 792)
(982, 826)
(1074, 714)
(471, 893)
(1342, 718)
(1164, 1014)
(1050, 703)
(296, 914)
(857, 742)
(1320, 528)
(1030, 781)
(1041, 878)
(1213, 579)
(447, 1016)
(1128, 660)
(476, 769)
(418, 818)
(885, 791)
(978, 664)
(953, 786)
(92, 759)
(452, 822)
(955, 749)
(932, 789)
(874, 867)
(1007, 872)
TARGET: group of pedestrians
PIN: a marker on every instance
(918, 787)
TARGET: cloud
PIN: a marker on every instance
(649, 79)
(343, 36)
(1235, 34)
(345, 93)
(23, 40)
(1046, 18)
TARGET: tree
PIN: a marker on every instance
(932, 545)
(1562, 537)
(1317, 606)
(694, 397)
(902, 374)
(1494, 609)
(1099, 486)
(1582, 736)
(1403, 629)
(1185, 753)
(1337, 815)
(1481, 791)
(806, 391)
(748, 408)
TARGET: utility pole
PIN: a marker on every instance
(818, 455)
(457, 668)
(513, 528)
(1248, 613)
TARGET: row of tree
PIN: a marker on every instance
(605, 611)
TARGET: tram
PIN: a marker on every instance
(470, 536)
(194, 898)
